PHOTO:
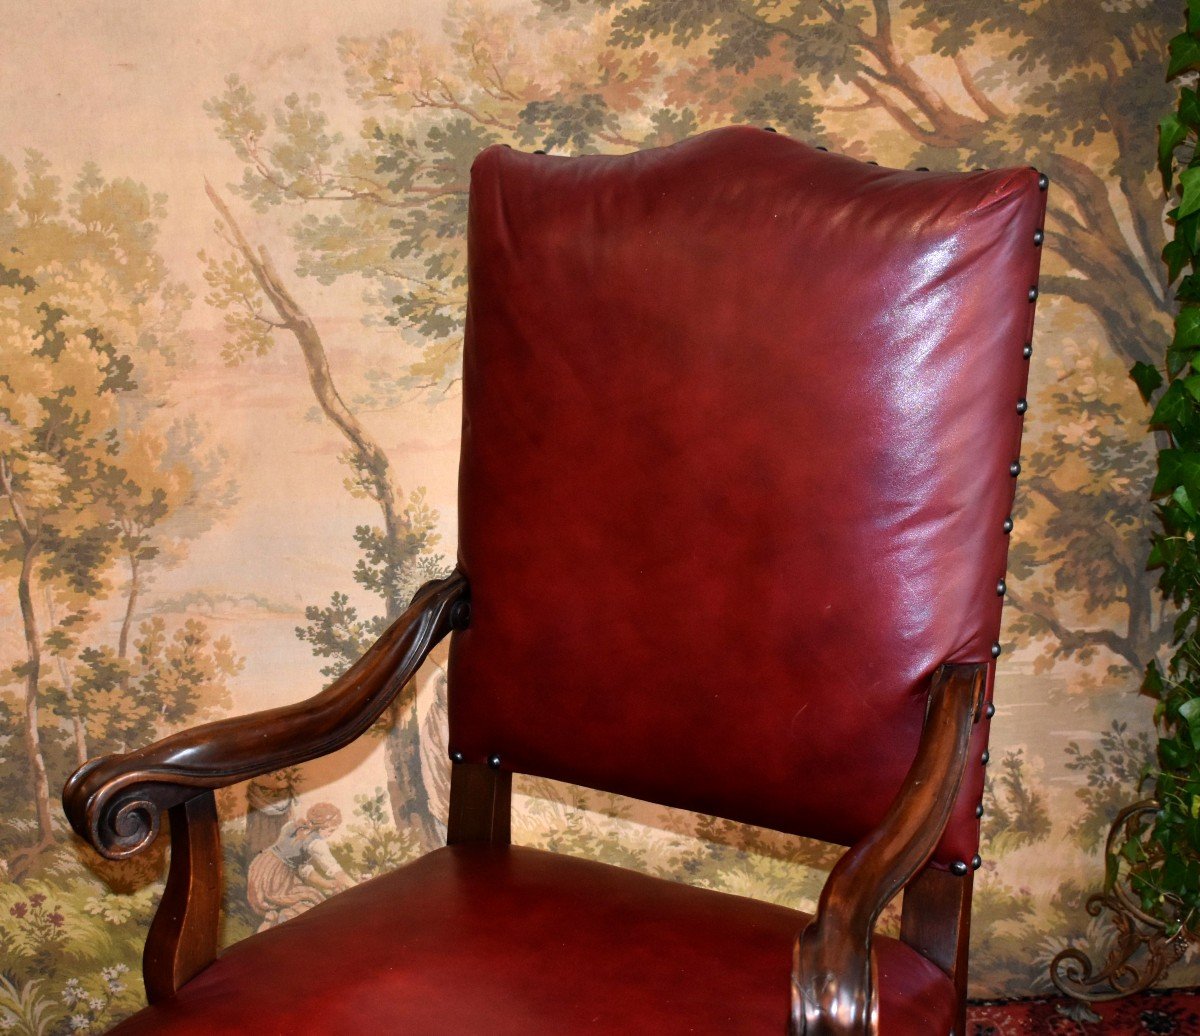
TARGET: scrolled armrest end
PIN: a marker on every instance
(114, 811)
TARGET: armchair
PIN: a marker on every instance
(740, 435)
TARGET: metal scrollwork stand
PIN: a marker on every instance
(1143, 951)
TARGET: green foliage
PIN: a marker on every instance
(170, 681)
(1017, 814)
(24, 1011)
(69, 948)
(1115, 765)
(1163, 863)
(234, 291)
(1086, 474)
(372, 845)
(337, 632)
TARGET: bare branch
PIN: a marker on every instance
(982, 101)
(367, 453)
(1072, 640)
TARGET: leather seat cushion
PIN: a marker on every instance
(473, 939)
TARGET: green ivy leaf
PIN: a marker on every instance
(1187, 328)
(1152, 684)
(1192, 385)
(1175, 755)
(1176, 255)
(1147, 378)
(1193, 16)
(1180, 496)
(1185, 54)
(1187, 230)
(1189, 107)
(1189, 711)
(1189, 288)
(1171, 133)
(1189, 180)
(1173, 408)
(1155, 559)
(1177, 468)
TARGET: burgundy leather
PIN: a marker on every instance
(476, 939)
(738, 421)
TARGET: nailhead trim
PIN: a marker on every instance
(460, 615)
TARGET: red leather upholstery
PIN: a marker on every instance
(474, 939)
(738, 422)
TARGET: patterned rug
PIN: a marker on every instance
(1171, 1012)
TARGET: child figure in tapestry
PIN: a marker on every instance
(298, 871)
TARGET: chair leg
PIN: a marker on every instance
(480, 805)
(936, 922)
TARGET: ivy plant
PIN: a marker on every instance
(1163, 863)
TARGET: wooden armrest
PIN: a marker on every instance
(833, 976)
(115, 802)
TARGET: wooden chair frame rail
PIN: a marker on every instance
(834, 992)
(115, 802)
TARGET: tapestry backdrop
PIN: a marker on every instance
(213, 496)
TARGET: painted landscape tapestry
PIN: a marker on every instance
(232, 281)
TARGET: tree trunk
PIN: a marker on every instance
(33, 666)
(33, 662)
(406, 788)
(406, 783)
(130, 607)
(78, 729)
(79, 734)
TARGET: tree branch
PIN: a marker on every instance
(982, 101)
(28, 535)
(368, 454)
(906, 122)
(1073, 640)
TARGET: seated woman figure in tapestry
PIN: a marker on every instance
(298, 871)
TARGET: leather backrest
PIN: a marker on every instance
(738, 423)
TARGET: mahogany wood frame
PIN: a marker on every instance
(834, 992)
(115, 803)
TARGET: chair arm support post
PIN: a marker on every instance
(183, 935)
(115, 802)
(834, 992)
